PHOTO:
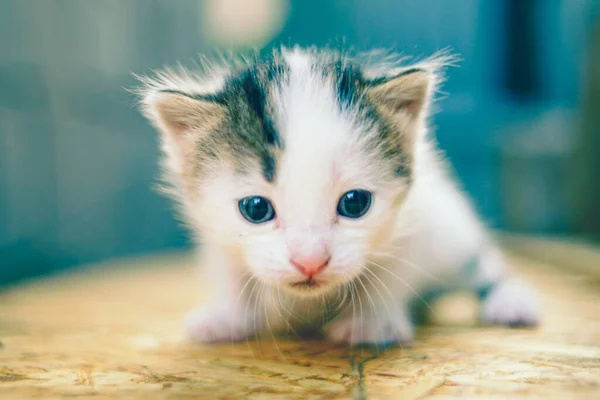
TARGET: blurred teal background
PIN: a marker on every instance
(520, 120)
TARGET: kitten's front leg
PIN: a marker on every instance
(374, 317)
(227, 316)
(505, 301)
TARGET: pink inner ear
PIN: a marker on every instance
(178, 127)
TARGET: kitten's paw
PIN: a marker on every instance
(214, 324)
(513, 304)
(371, 330)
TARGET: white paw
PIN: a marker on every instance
(215, 324)
(371, 330)
(513, 304)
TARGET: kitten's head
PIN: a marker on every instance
(297, 164)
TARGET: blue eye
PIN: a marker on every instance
(256, 209)
(354, 204)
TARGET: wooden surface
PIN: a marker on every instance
(116, 333)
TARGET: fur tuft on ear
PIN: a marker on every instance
(403, 90)
(181, 103)
(407, 93)
(175, 105)
(180, 115)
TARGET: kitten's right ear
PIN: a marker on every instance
(182, 117)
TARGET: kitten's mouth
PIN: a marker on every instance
(309, 284)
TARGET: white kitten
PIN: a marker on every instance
(319, 198)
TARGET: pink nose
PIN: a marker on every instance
(310, 266)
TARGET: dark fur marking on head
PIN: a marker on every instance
(257, 99)
(268, 167)
(403, 170)
(252, 132)
(389, 144)
(349, 83)
(253, 83)
(248, 132)
(350, 87)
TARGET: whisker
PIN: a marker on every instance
(379, 292)
(348, 286)
(405, 283)
(289, 311)
(361, 309)
(382, 284)
(344, 290)
(375, 311)
(407, 262)
(237, 304)
(390, 318)
(250, 299)
(351, 285)
(270, 328)
(256, 316)
(368, 295)
(285, 320)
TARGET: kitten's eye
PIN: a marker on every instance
(256, 209)
(354, 204)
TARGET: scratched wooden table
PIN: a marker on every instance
(115, 332)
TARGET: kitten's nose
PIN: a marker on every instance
(310, 266)
(308, 247)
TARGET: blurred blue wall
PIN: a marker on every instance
(77, 161)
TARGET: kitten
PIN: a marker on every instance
(319, 197)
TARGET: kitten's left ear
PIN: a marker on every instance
(405, 95)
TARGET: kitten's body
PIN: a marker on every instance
(301, 131)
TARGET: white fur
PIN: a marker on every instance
(511, 303)
(378, 262)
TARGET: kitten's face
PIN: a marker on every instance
(324, 207)
(297, 166)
